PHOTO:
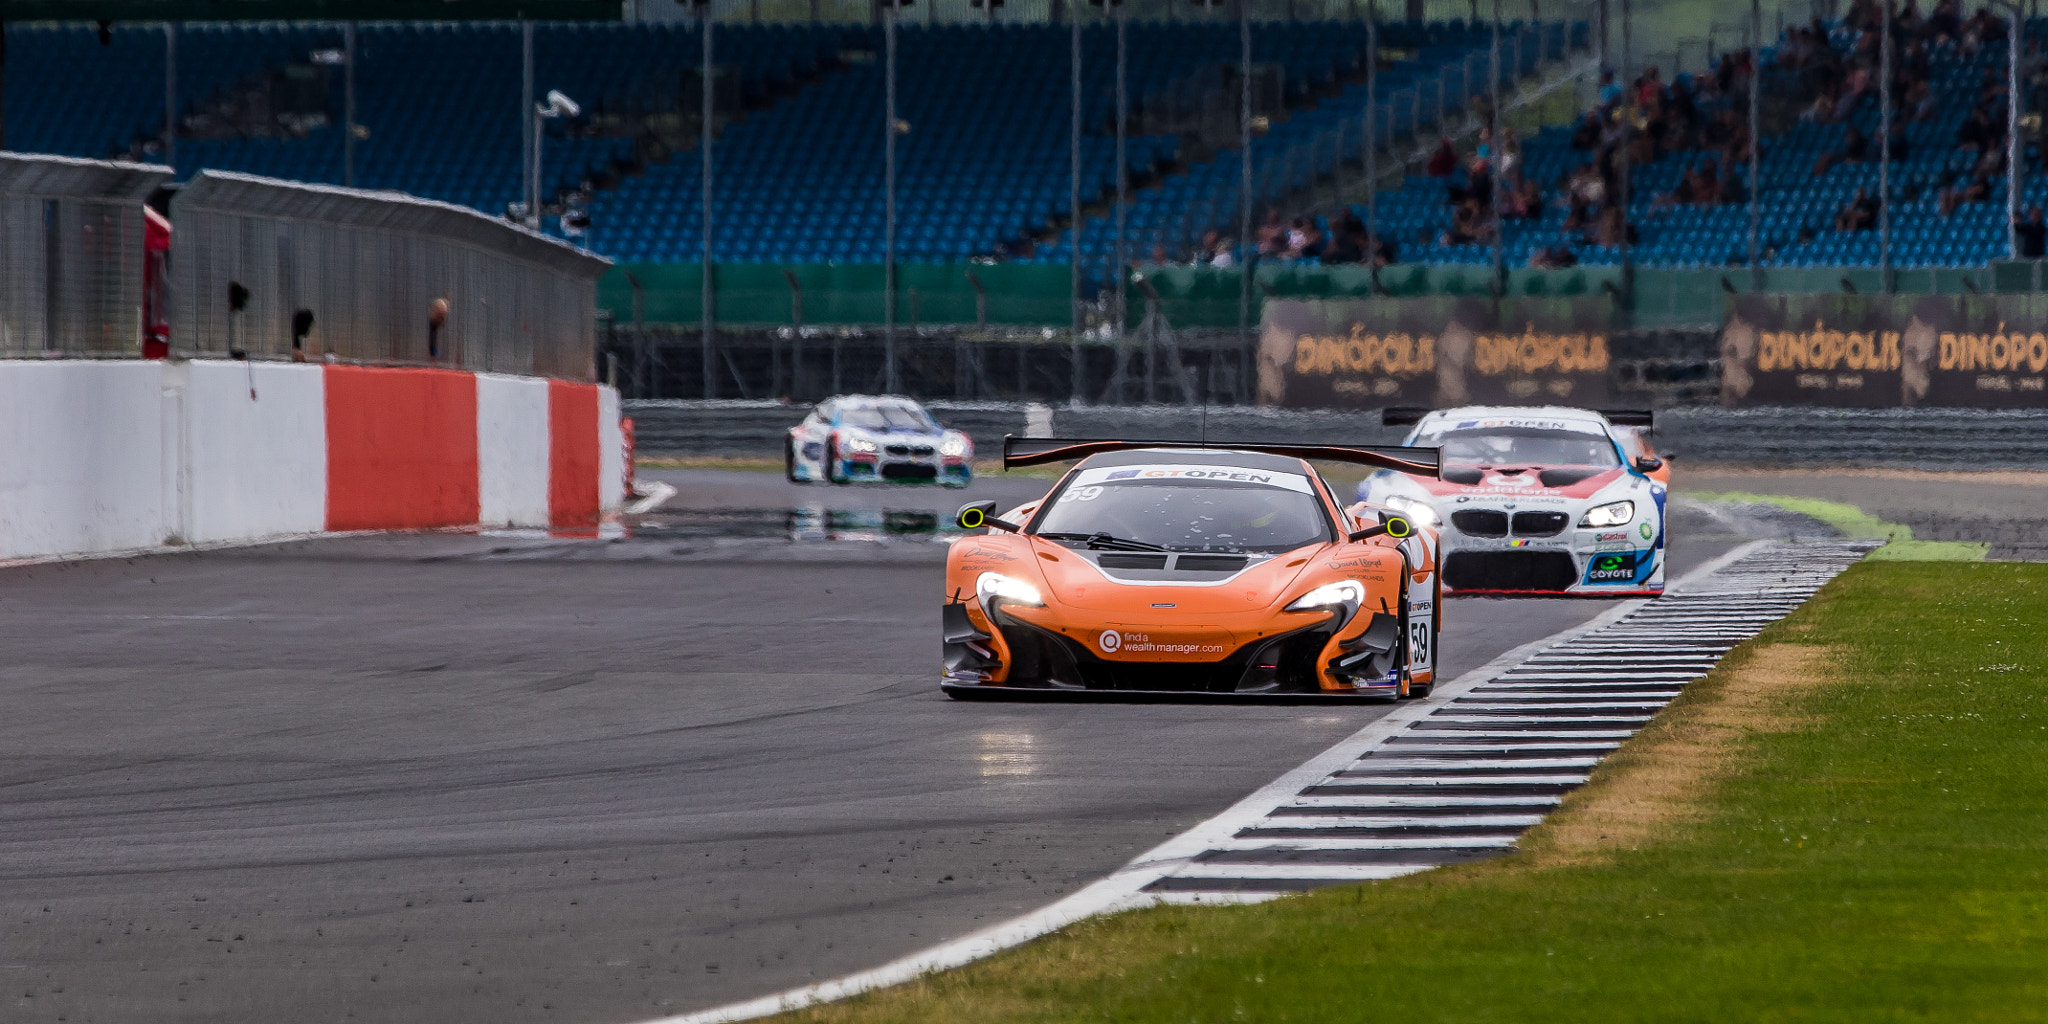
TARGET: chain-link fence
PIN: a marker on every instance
(71, 255)
(273, 269)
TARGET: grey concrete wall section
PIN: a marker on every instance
(1918, 438)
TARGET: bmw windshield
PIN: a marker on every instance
(1185, 508)
(887, 416)
(1523, 446)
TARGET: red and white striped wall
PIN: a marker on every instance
(109, 456)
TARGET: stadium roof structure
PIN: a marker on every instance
(309, 10)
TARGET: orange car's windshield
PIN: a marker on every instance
(1185, 514)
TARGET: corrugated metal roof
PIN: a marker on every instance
(65, 177)
(226, 192)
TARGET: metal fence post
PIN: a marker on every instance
(889, 204)
(707, 295)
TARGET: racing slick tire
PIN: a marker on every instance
(789, 459)
(832, 463)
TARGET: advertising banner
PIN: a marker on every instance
(1437, 351)
(1886, 351)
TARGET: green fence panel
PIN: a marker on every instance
(1038, 294)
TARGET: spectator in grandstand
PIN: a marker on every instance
(1610, 92)
(1860, 214)
(1478, 185)
(1978, 133)
(1223, 254)
(1471, 225)
(1609, 229)
(1855, 148)
(1380, 252)
(1553, 257)
(1977, 189)
(1946, 22)
(1271, 234)
(1304, 240)
(1346, 245)
(1524, 202)
(2032, 234)
(1444, 162)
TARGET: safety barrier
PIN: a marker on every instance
(134, 454)
(268, 268)
(71, 244)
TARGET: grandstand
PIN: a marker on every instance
(984, 168)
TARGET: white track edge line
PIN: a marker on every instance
(1120, 891)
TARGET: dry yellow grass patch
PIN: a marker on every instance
(1657, 779)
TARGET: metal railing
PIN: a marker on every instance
(71, 239)
(274, 269)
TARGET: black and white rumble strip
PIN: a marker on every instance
(1465, 780)
(1454, 778)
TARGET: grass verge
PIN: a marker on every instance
(1855, 523)
(1846, 822)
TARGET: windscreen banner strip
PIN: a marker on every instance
(1206, 474)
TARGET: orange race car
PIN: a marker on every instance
(1174, 569)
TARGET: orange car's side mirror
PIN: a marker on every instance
(1393, 526)
(975, 515)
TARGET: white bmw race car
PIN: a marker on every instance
(868, 438)
(1543, 500)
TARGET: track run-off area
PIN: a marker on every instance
(514, 777)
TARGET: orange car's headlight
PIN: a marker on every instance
(1346, 595)
(994, 586)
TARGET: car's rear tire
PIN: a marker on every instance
(789, 459)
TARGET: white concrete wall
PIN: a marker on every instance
(253, 466)
(611, 444)
(81, 457)
(512, 440)
(119, 455)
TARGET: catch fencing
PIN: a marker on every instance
(263, 268)
(71, 255)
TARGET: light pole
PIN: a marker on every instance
(557, 105)
(1756, 144)
(889, 130)
(1250, 264)
(170, 94)
(1074, 211)
(527, 124)
(346, 59)
(1884, 148)
(708, 327)
(348, 104)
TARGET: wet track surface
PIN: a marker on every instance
(492, 778)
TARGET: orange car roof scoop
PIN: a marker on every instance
(1037, 451)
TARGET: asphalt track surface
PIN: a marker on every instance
(508, 778)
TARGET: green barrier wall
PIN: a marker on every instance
(1036, 294)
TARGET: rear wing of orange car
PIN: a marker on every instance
(1037, 451)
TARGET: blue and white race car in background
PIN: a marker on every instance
(855, 438)
(1543, 500)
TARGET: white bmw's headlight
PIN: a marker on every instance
(1417, 510)
(953, 447)
(1616, 513)
(1341, 594)
(865, 447)
(994, 585)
